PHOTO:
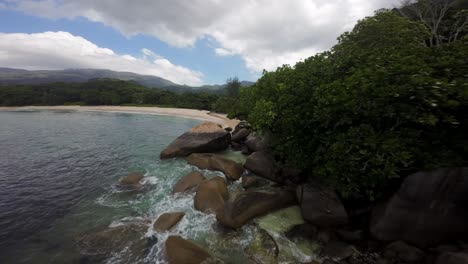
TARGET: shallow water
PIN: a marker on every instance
(58, 180)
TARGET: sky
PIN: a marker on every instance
(193, 42)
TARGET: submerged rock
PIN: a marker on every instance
(132, 180)
(206, 137)
(263, 249)
(181, 251)
(215, 162)
(167, 221)
(97, 246)
(321, 207)
(250, 204)
(263, 165)
(428, 209)
(211, 195)
(188, 182)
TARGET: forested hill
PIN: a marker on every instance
(10, 76)
(101, 92)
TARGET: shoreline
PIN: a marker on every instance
(178, 112)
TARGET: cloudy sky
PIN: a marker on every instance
(191, 42)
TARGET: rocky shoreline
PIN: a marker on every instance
(425, 221)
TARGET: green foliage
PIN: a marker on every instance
(101, 92)
(377, 105)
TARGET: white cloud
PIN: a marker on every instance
(265, 33)
(60, 50)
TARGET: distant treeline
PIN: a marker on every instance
(101, 92)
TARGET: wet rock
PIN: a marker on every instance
(211, 195)
(428, 209)
(263, 165)
(99, 245)
(338, 250)
(263, 249)
(452, 258)
(249, 182)
(250, 204)
(215, 162)
(305, 230)
(167, 221)
(399, 250)
(181, 251)
(206, 137)
(132, 180)
(241, 135)
(188, 182)
(321, 207)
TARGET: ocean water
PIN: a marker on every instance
(58, 180)
(59, 174)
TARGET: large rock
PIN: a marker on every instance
(262, 164)
(181, 251)
(240, 135)
(429, 208)
(251, 204)
(167, 221)
(256, 142)
(206, 137)
(211, 195)
(215, 162)
(321, 207)
(188, 182)
(98, 245)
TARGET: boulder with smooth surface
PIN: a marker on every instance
(262, 164)
(215, 162)
(428, 209)
(255, 142)
(321, 207)
(206, 137)
(211, 195)
(181, 251)
(251, 204)
(188, 182)
(167, 221)
(241, 135)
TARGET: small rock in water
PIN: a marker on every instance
(133, 179)
(167, 221)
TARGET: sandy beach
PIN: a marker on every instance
(180, 112)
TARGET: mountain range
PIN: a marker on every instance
(9, 76)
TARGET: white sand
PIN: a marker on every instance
(187, 113)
